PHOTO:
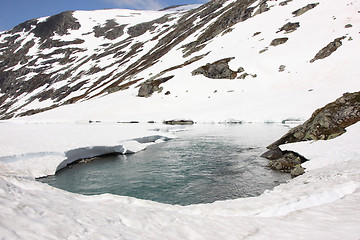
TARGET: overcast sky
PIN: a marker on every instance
(13, 12)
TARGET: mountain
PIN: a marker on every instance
(226, 60)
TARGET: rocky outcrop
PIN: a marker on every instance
(179, 122)
(289, 27)
(142, 28)
(325, 123)
(286, 162)
(278, 41)
(282, 68)
(216, 70)
(60, 24)
(303, 10)
(50, 43)
(150, 86)
(284, 3)
(111, 30)
(328, 50)
(240, 11)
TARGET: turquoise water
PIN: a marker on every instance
(204, 164)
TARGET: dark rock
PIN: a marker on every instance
(327, 122)
(263, 7)
(303, 10)
(285, 163)
(257, 33)
(240, 70)
(59, 24)
(167, 93)
(282, 68)
(243, 76)
(328, 50)
(263, 50)
(273, 154)
(289, 27)
(50, 43)
(227, 31)
(240, 11)
(150, 86)
(297, 171)
(348, 25)
(111, 30)
(25, 26)
(284, 3)
(217, 70)
(142, 28)
(278, 41)
(179, 122)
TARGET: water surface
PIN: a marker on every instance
(204, 164)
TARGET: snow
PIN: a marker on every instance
(303, 84)
(345, 148)
(324, 197)
(53, 146)
(321, 204)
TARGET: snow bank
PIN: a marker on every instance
(36, 150)
(323, 153)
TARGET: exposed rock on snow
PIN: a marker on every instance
(286, 162)
(149, 87)
(325, 123)
(111, 30)
(304, 9)
(217, 70)
(57, 24)
(289, 27)
(278, 41)
(328, 50)
(142, 28)
(284, 3)
(178, 122)
(282, 68)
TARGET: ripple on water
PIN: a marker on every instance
(204, 164)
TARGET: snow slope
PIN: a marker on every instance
(266, 95)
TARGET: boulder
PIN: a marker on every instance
(179, 122)
(289, 27)
(148, 87)
(278, 41)
(297, 171)
(216, 70)
(303, 10)
(328, 50)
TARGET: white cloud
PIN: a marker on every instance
(137, 4)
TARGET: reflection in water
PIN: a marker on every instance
(204, 164)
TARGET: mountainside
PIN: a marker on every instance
(244, 60)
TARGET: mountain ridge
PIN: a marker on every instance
(76, 56)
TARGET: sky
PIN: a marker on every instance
(14, 12)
